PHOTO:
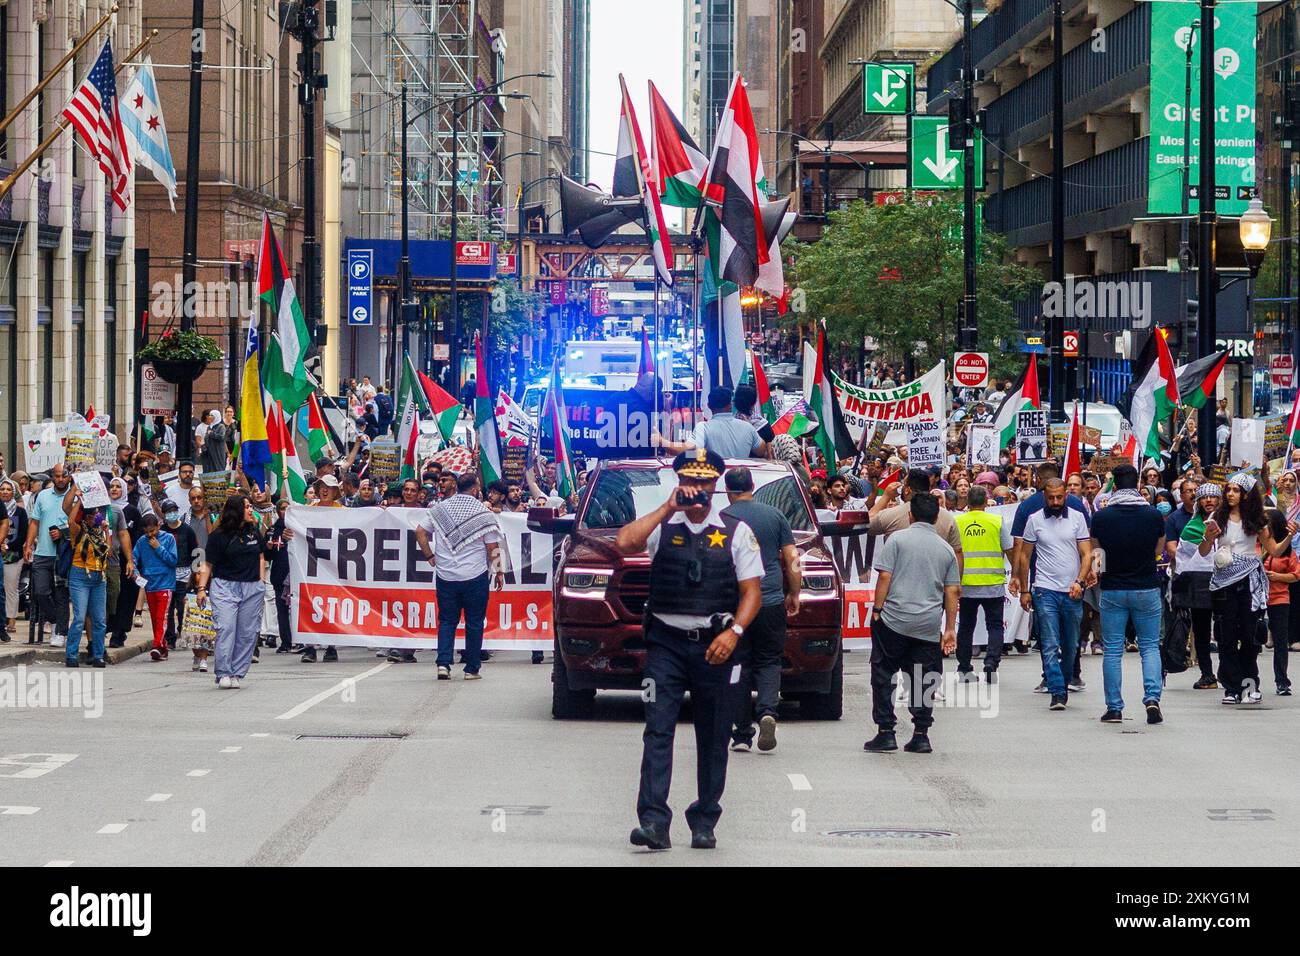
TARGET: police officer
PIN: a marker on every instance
(987, 545)
(705, 576)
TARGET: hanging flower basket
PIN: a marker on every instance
(179, 371)
(180, 357)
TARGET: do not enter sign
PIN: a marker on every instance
(971, 369)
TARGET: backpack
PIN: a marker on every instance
(384, 404)
(1173, 647)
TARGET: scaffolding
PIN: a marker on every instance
(440, 52)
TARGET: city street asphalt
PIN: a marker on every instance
(176, 771)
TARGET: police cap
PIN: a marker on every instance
(700, 464)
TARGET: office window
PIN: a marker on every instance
(110, 340)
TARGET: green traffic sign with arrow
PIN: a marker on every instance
(934, 163)
(887, 88)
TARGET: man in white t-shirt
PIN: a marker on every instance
(1060, 538)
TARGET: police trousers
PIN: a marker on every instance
(675, 665)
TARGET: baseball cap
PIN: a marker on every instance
(328, 481)
(170, 505)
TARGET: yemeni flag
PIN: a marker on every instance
(284, 456)
(442, 406)
(411, 403)
(765, 403)
(644, 184)
(556, 421)
(485, 421)
(732, 188)
(1073, 461)
(1023, 395)
(833, 436)
(318, 437)
(285, 375)
(680, 164)
(1152, 397)
(1196, 380)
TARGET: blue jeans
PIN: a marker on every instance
(1143, 608)
(89, 591)
(1058, 617)
(471, 597)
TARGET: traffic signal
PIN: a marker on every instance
(959, 130)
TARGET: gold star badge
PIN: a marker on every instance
(717, 539)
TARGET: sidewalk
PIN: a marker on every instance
(18, 651)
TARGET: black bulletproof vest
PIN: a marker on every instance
(708, 588)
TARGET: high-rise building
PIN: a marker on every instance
(577, 90)
(717, 65)
(692, 69)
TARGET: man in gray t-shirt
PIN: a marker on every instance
(918, 585)
(781, 584)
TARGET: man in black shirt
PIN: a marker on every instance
(1127, 535)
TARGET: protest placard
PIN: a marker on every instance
(94, 494)
(1031, 436)
(924, 444)
(385, 462)
(1247, 442)
(43, 445)
(79, 449)
(982, 445)
(216, 488)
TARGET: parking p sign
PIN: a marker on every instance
(971, 369)
(360, 286)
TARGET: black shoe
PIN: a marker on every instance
(1058, 702)
(4, 636)
(393, 657)
(919, 744)
(1153, 711)
(990, 677)
(283, 650)
(742, 744)
(257, 654)
(331, 655)
(69, 662)
(117, 642)
(650, 838)
(1020, 646)
(297, 648)
(537, 657)
(884, 742)
(1284, 691)
(1206, 683)
(703, 840)
(309, 656)
(1112, 717)
(99, 662)
(484, 656)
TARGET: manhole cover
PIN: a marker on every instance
(889, 833)
(350, 737)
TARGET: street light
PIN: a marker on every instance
(1255, 228)
(826, 152)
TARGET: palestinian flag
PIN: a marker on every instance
(1023, 395)
(1293, 423)
(679, 163)
(833, 436)
(732, 188)
(555, 421)
(1073, 460)
(412, 406)
(794, 423)
(1196, 380)
(765, 403)
(1152, 396)
(284, 456)
(485, 421)
(318, 438)
(646, 186)
(444, 408)
(888, 479)
(285, 375)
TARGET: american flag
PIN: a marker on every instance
(93, 109)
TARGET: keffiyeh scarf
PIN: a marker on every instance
(462, 521)
(1127, 496)
(1243, 566)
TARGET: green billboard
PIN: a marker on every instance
(1234, 125)
(887, 88)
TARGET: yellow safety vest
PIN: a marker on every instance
(981, 546)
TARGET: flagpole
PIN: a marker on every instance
(62, 123)
(695, 330)
(654, 355)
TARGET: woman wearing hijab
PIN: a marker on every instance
(1235, 535)
(1192, 572)
(13, 532)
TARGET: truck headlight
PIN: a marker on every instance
(819, 582)
(587, 583)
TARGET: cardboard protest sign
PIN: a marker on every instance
(1247, 442)
(385, 462)
(924, 444)
(94, 493)
(216, 488)
(79, 449)
(43, 445)
(1031, 436)
(982, 445)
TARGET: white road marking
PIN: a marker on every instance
(59, 863)
(111, 828)
(158, 798)
(311, 702)
(7, 810)
(231, 750)
(198, 773)
(798, 781)
(259, 735)
(33, 764)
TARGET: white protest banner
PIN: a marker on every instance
(94, 494)
(922, 399)
(982, 445)
(359, 579)
(1246, 446)
(43, 445)
(156, 396)
(924, 445)
(513, 423)
(79, 448)
(1031, 436)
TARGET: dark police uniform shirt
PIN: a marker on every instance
(745, 554)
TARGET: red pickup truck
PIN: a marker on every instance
(599, 595)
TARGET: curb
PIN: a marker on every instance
(137, 643)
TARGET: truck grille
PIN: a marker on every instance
(634, 590)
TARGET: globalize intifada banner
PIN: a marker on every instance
(920, 400)
(1171, 122)
(359, 579)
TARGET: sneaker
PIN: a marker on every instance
(309, 656)
(393, 657)
(1206, 683)
(203, 666)
(1112, 717)
(1042, 687)
(1096, 648)
(740, 744)
(1253, 697)
(1058, 702)
(234, 683)
(537, 657)
(1077, 683)
(1131, 647)
(938, 696)
(1295, 645)
(1153, 711)
(98, 662)
(156, 653)
(59, 640)
(194, 666)
(444, 672)
(225, 683)
(1231, 698)
(474, 676)
(1284, 691)
(331, 655)
(71, 662)
(767, 733)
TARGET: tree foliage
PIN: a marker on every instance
(895, 273)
